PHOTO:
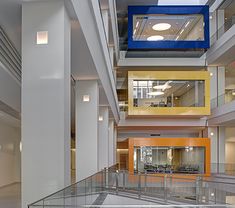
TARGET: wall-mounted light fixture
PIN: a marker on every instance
(20, 146)
(101, 118)
(86, 98)
(42, 37)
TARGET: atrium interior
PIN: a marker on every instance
(117, 103)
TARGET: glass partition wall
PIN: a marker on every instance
(186, 160)
(169, 93)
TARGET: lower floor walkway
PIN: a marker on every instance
(10, 196)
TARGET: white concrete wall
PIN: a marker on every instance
(9, 154)
(45, 100)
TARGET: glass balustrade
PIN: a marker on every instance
(170, 190)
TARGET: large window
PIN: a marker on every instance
(157, 27)
(160, 93)
(187, 160)
(168, 93)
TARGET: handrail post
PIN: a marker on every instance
(171, 186)
(198, 180)
(103, 179)
(139, 184)
(145, 181)
(116, 175)
(165, 188)
(124, 180)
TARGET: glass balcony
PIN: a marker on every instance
(168, 27)
(162, 93)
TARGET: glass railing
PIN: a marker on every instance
(223, 168)
(223, 29)
(170, 190)
(222, 99)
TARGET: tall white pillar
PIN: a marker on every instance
(217, 136)
(217, 85)
(87, 101)
(221, 85)
(45, 99)
(103, 137)
(111, 142)
(115, 146)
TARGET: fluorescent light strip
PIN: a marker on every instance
(134, 31)
(181, 31)
(187, 24)
(177, 37)
(137, 24)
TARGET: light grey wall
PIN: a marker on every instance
(9, 154)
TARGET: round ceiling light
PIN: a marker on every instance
(155, 38)
(161, 26)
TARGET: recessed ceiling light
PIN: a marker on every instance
(212, 134)
(155, 38)
(211, 74)
(156, 93)
(211, 17)
(161, 26)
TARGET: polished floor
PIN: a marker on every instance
(10, 196)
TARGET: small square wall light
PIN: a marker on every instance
(42, 38)
(101, 118)
(86, 98)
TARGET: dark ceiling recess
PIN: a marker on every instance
(154, 135)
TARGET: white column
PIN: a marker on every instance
(220, 18)
(45, 100)
(221, 144)
(105, 17)
(217, 85)
(103, 137)
(212, 134)
(111, 142)
(221, 85)
(213, 81)
(115, 146)
(87, 101)
(217, 136)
